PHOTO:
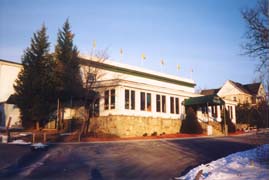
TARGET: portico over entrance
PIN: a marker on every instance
(209, 108)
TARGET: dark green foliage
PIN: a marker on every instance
(34, 88)
(229, 123)
(255, 116)
(69, 84)
(191, 125)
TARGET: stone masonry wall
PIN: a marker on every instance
(131, 126)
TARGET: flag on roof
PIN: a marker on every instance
(143, 56)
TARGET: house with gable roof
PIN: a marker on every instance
(240, 93)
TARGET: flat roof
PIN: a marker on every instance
(10, 62)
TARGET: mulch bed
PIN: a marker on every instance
(54, 136)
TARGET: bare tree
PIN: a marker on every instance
(91, 76)
(256, 42)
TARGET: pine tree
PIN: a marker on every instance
(67, 65)
(34, 88)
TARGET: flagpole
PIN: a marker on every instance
(121, 53)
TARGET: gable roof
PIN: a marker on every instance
(209, 91)
(246, 88)
(253, 88)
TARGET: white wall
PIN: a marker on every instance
(8, 75)
(120, 103)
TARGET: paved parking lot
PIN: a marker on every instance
(155, 159)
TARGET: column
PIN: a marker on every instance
(234, 114)
(219, 113)
(210, 113)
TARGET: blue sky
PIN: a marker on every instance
(203, 35)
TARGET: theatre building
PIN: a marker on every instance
(134, 101)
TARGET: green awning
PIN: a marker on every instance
(204, 100)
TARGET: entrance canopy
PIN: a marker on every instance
(204, 100)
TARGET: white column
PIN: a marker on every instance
(234, 114)
(168, 105)
(119, 100)
(219, 114)
(210, 113)
(153, 104)
(137, 101)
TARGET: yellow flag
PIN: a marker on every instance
(143, 56)
(94, 44)
(178, 67)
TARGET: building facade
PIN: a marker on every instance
(8, 112)
(239, 93)
(135, 101)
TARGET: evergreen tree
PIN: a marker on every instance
(34, 88)
(67, 65)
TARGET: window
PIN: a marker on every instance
(112, 99)
(109, 99)
(158, 103)
(132, 99)
(142, 101)
(91, 77)
(163, 104)
(234, 98)
(106, 99)
(127, 99)
(177, 106)
(148, 102)
(172, 106)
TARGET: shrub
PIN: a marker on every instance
(191, 125)
(145, 134)
(154, 134)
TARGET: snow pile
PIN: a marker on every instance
(39, 146)
(19, 141)
(251, 164)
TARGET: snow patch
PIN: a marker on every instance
(251, 164)
(39, 146)
(19, 141)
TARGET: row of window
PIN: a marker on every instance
(145, 101)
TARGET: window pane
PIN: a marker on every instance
(158, 103)
(112, 99)
(142, 101)
(172, 109)
(148, 102)
(163, 104)
(106, 99)
(177, 106)
(132, 99)
(127, 100)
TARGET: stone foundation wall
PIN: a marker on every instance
(130, 126)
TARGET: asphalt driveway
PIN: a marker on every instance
(155, 159)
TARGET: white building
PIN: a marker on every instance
(135, 91)
(8, 74)
(133, 97)
(132, 101)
